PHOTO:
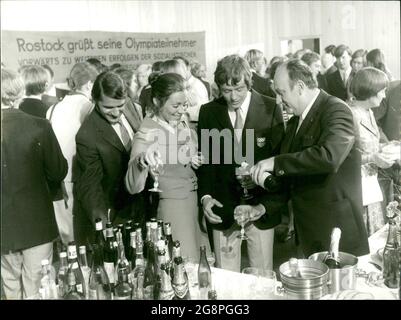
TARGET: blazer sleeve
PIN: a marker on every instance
(56, 166)
(328, 153)
(89, 183)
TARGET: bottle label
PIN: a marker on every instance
(148, 292)
(80, 288)
(110, 270)
(93, 294)
(99, 225)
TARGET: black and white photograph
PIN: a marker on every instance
(200, 150)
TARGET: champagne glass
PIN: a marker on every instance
(243, 215)
(243, 173)
(156, 171)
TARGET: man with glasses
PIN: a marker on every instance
(103, 151)
(252, 126)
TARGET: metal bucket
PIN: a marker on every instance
(312, 284)
(344, 278)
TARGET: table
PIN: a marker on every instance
(231, 285)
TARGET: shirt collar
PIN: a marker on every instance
(307, 109)
(166, 125)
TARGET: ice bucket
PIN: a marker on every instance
(311, 285)
(344, 278)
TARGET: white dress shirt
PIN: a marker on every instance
(127, 126)
(243, 109)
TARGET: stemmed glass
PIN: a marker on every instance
(243, 215)
(156, 171)
(243, 173)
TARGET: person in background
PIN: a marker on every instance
(142, 77)
(358, 61)
(318, 165)
(30, 158)
(256, 61)
(299, 53)
(145, 99)
(196, 92)
(98, 65)
(368, 90)
(167, 135)
(115, 66)
(36, 82)
(329, 60)
(239, 112)
(337, 81)
(49, 97)
(312, 59)
(66, 117)
(131, 106)
(103, 148)
(375, 59)
(199, 71)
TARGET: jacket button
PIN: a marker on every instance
(280, 172)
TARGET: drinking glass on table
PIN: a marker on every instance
(251, 282)
(267, 284)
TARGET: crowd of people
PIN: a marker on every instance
(319, 136)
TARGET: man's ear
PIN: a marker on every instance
(155, 102)
(301, 86)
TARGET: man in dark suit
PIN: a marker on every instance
(328, 60)
(318, 164)
(103, 151)
(258, 66)
(337, 81)
(31, 158)
(247, 121)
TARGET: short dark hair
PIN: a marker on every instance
(233, 68)
(81, 73)
(109, 84)
(35, 78)
(330, 49)
(95, 62)
(310, 57)
(339, 51)
(182, 59)
(375, 58)
(299, 71)
(156, 66)
(367, 82)
(126, 75)
(168, 65)
(163, 86)
(115, 66)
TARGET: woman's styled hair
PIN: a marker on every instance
(339, 51)
(231, 69)
(367, 83)
(360, 53)
(12, 87)
(163, 86)
(81, 73)
(169, 65)
(109, 84)
(253, 56)
(375, 59)
(35, 78)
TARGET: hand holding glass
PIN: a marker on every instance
(156, 170)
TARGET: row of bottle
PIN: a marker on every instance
(121, 272)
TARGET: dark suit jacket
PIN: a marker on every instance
(34, 107)
(102, 163)
(321, 82)
(388, 115)
(260, 84)
(30, 158)
(322, 171)
(145, 99)
(335, 85)
(219, 180)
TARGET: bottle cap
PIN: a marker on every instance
(336, 233)
(63, 254)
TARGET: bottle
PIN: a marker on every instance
(62, 274)
(147, 239)
(131, 251)
(99, 236)
(83, 262)
(127, 239)
(123, 290)
(72, 291)
(160, 230)
(48, 282)
(138, 273)
(176, 252)
(180, 281)
(99, 285)
(391, 255)
(204, 275)
(73, 266)
(153, 232)
(294, 268)
(122, 262)
(150, 275)
(332, 258)
(110, 256)
(169, 239)
(166, 290)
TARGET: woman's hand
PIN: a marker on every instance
(383, 160)
(197, 160)
(149, 158)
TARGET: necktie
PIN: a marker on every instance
(126, 140)
(239, 124)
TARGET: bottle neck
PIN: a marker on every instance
(122, 276)
(83, 260)
(392, 239)
(63, 262)
(165, 281)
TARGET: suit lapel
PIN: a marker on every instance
(107, 132)
(289, 135)
(339, 80)
(221, 113)
(369, 127)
